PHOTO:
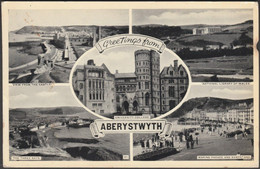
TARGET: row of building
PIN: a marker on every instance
(147, 90)
(206, 30)
(241, 113)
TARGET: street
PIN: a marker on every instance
(214, 145)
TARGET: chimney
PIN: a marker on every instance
(175, 64)
(116, 71)
(91, 62)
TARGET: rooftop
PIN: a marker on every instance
(125, 75)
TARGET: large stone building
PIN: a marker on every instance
(174, 84)
(206, 30)
(138, 92)
(95, 87)
(126, 100)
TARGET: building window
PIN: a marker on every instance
(171, 72)
(147, 99)
(146, 85)
(97, 96)
(93, 96)
(171, 91)
(101, 111)
(90, 98)
(117, 99)
(181, 81)
(139, 84)
(89, 83)
(182, 88)
(181, 72)
(81, 86)
(81, 98)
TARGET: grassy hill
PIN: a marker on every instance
(31, 29)
(207, 103)
(21, 113)
(160, 31)
(106, 30)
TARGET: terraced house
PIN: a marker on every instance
(145, 91)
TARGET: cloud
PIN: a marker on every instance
(120, 59)
(201, 17)
(19, 97)
(227, 91)
(46, 94)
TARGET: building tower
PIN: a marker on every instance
(147, 69)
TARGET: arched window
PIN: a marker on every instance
(117, 99)
(147, 99)
(89, 83)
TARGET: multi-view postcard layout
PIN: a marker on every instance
(48, 50)
(99, 85)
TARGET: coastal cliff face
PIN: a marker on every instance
(60, 142)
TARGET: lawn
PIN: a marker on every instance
(222, 65)
(222, 38)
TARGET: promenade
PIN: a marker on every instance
(214, 145)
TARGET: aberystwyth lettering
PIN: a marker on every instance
(131, 126)
(131, 39)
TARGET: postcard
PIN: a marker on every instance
(130, 84)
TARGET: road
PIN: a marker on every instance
(214, 145)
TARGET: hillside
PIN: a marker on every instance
(176, 37)
(160, 31)
(106, 30)
(207, 103)
(22, 113)
(32, 29)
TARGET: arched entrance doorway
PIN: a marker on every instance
(135, 106)
(126, 107)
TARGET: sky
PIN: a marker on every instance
(123, 58)
(179, 17)
(234, 92)
(41, 96)
(63, 17)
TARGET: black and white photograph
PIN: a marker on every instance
(130, 84)
(130, 81)
(216, 44)
(47, 122)
(43, 47)
(218, 121)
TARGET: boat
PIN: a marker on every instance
(79, 123)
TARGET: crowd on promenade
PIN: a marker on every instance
(189, 138)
